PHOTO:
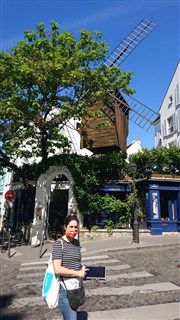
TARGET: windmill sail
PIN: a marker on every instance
(139, 113)
(129, 43)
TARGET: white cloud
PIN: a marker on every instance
(104, 15)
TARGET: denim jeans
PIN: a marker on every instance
(67, 312)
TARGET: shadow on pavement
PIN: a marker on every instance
(11, 317)
(5, 301)
(82, 315)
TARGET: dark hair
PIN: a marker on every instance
(69, 218)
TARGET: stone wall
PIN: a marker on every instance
(86, 235)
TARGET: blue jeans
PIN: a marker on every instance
(67, 312)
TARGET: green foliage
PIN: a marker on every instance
(111, 166)
(116, 209)
(94, 228)
(84, 228)
(45, 80)
(130, 207)
(159, 160)
(84, 172)
(109, 225)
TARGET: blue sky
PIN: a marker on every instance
(153, 62)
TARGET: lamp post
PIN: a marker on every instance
(132, 170)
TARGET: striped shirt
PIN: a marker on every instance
(69, 253)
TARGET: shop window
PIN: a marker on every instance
(173, 210)
(164, 206)
(167, 204)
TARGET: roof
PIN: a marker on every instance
(165, 177)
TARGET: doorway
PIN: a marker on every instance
(58, 205)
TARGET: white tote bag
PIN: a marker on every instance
(51, 286)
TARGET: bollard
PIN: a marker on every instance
(9, 243)
(40, 249)
(2, 246)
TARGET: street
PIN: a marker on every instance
(134, 278)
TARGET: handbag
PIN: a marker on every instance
(76, 297)
(51, 286)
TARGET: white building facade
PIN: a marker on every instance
(167, 125)
(133, 147)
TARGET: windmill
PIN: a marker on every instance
(99, 139)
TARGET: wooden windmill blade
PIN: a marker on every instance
(130, 42)
(139, 113)
(136, 111)
(123, 108)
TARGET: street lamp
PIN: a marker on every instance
(132, 169)
(148, 173)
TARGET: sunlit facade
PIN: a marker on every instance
(167, 125)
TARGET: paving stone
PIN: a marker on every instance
(132, 275)
(158, 285)
(146, 288)
(99, 257)
(155, 312)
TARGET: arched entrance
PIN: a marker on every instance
(43, 198)
(58, 206)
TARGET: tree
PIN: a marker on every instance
(111, 166)
(159, 160)
(45, 80)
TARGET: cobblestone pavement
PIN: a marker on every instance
(134, 278)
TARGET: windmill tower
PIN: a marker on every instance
(103, 139)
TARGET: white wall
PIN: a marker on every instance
(134, 147)
(72, 134)
(167, 133)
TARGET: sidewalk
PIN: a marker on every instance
(165, 311)
(125, 243)
(25, 253)
(168, 311)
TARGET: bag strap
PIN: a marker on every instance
(62, 261)
(63, 282)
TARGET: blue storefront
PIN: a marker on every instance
(162, 204)
(162, 200)
(118, 190)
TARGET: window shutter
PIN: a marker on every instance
(177, 94)
(164, 129)
(178, 120)
(174, 122)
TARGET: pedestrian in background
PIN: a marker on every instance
(66, 258)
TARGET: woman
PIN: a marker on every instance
(66, 258)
